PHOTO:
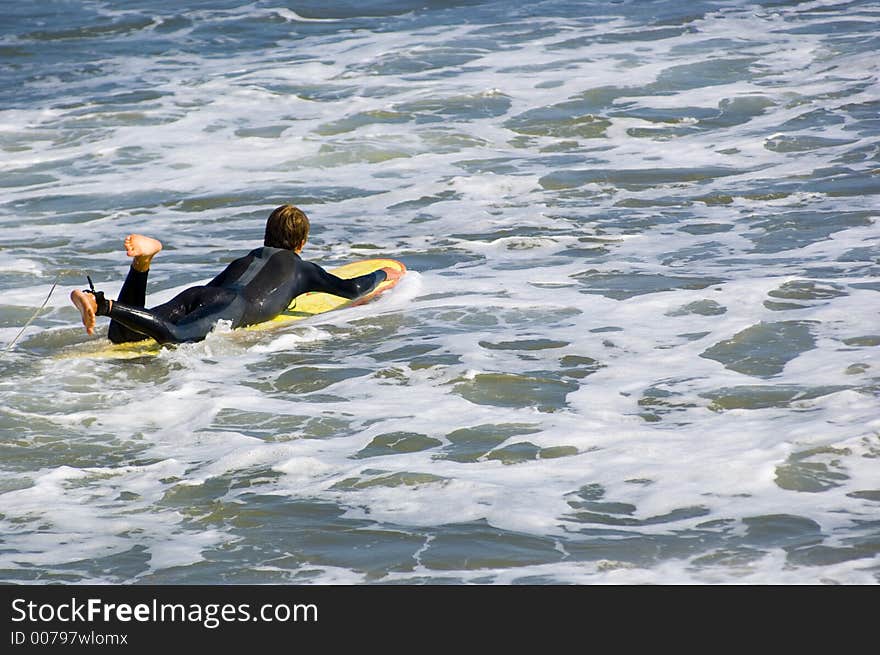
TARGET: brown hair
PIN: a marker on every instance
(287, 227)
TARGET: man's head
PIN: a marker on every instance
(287, 227)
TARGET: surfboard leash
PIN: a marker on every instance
(32, 318)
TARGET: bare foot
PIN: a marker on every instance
(87, 306)
(142, 248)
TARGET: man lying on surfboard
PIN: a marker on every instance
(252, 289)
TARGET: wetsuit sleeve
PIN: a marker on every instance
(320, 280)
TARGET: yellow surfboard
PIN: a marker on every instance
(302, 307)
(313, 303)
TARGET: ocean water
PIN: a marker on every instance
(638, 343)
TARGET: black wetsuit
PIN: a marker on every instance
(252, 289)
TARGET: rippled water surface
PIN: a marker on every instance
(638, 342)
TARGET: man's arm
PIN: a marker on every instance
(320, 280)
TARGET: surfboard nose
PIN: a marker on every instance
(393, 274)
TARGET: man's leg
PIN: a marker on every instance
(134, 290)
(142, 249)
(190, 316)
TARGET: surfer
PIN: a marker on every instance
(252, 289)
